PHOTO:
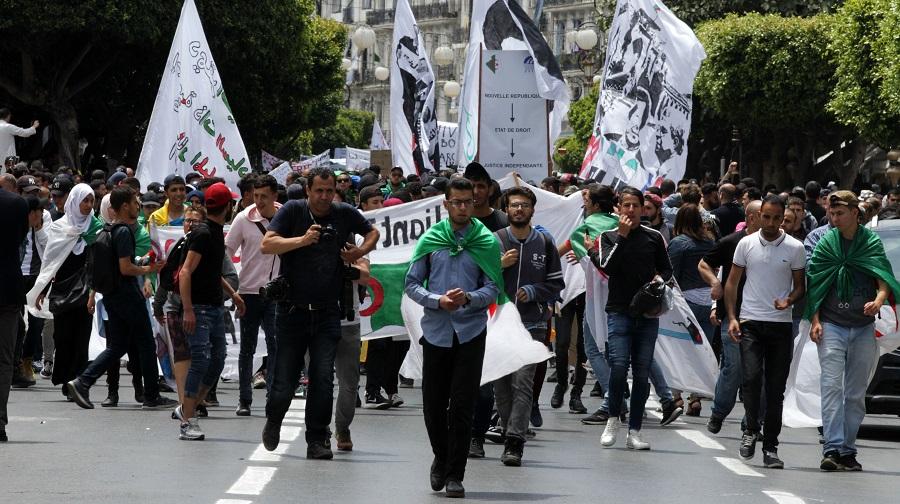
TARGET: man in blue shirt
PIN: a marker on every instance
(459, 261)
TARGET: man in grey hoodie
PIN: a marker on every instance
(533, 279)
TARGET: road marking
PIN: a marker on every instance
(290, 433)
(263, 455)
(736, 466)
(300, 415)
(233, 501)
(298, 404)
(784, 497)
(700, 439)
(252, 481)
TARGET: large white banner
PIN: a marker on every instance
(503, 25)
(448, 135)
(643, 115)
(192, 128)
(358, 159)
(413, 116)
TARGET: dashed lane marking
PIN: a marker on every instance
(784, 497)
(700, 439)
(290, 433)
(233, 501)
(253, 481)
(736, 466)
(263, 455)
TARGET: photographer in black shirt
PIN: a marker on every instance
(311, 237)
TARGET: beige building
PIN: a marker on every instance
(445, 24)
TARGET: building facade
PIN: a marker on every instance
(445, 23)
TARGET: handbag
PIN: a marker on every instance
(652, 300)
(69, 293)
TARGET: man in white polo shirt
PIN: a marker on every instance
(774, 264)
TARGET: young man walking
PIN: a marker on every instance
(773, 263)
(849, 279)
(246, 235)
(459, 261)
(532, 277)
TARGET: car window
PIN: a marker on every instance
(891, 241)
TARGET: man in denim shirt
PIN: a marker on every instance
(454, 274)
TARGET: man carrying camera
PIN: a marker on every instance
(311, 237)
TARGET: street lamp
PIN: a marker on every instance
(596, 79)
(586, 39)
(451, 89)
(443, 56)
(382, 73)
(364, 37)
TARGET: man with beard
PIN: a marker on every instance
(532, 275)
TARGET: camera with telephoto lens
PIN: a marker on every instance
(327, 233)
(275, 290)
(348, 290)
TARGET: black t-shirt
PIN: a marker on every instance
(722, 255)
(14, 223)
(729, 215)
(315, 272)
(123, 246)
(496, 221)
(208, 240)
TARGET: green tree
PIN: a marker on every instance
(351, 128)
(581, 120)
(694, 12)
(99, 62)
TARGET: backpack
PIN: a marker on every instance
(169, 272)
(104, 266)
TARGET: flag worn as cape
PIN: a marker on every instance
(831, 266)
(594, 224)
(479, 242)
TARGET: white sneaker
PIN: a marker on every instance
(609, 433)
(190, 430)
(634, 441)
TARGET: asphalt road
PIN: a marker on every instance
(62, 454)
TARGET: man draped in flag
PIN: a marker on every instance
(455, 274)
(413, 116)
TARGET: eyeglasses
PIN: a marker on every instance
(343, 181)
(461, 203)
(518, 206)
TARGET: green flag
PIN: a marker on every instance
(594, 225)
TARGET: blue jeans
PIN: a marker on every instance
(207, 349)
(299, 330)
(259, 312)
(631, 341)
(848, 356)
(597, 359)
(729, 380)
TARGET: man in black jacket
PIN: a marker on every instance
(14, 222)
(630, 256)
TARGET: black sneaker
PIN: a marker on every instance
(512, 452)
(714, 424)
(476, 448)
(211, 401)
(455, 489)
(576, 407)
(850, 464)
(406, 382)
(831, 462)
(559, 393)
(159, 402)
(771, 460)
(599, 417)
(670, 413)
(376, 401)
(243, 409)
(597, 391)
(821, 435)
(551, 378)
(80, 393)
(111, 401)
(3, 437)
(495, 435)
(201, 411)
(318, 450)
(536, 419)
(271, 434)
(748, 445)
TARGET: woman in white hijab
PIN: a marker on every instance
(68, 283)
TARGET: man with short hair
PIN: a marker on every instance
(849, 279)
(59, 192)
(14, 223)
(312, 238)
(455, 274)
(129, 321)
(710, 197)
(532, 275)
(172, 211)
(8, 132)
(730, 213)
(813, 190)
(246, 235)
(200, 284)
(395, 183)
(370, 198)
(722, 256)
(773, 263)
(28, 342)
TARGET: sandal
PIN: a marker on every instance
(694, 408)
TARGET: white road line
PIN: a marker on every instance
(290, 433)
(300, 415)
(298, 404)
(293, 421)
(252, 481)
(263, 455)
(784, 497)
(233, 501)
(736, 466)
(700, 439)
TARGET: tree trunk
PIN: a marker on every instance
(65, 124)
(849, 171)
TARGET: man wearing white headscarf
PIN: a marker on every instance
(61, 291)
